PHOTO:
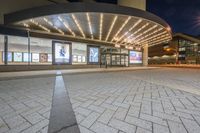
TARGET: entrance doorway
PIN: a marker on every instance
(112, 57)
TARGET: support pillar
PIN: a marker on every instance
(145, 55)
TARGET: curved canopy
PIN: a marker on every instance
(97, 22)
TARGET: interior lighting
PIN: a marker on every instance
(111, 27)
(78, 25)
(66, 25)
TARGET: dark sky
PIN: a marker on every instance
(182, 15)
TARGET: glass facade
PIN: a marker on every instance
(79, 53)
(189, 52)
(17, 46)
(1, 49)
(42, 51)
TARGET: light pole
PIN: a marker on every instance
(174, 50)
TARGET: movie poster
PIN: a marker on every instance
(17, 57)
(62, 53)
(25, 57)
(135, 57)
(35, 57)
(43, 57)
(93, 54)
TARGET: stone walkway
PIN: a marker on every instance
(139, 101)
(122, 103)
(25, 105)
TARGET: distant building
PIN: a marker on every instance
(185, 47)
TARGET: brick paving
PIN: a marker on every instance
(143, 101)
(132, 102)
(25, 105)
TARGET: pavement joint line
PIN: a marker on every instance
(62, 116)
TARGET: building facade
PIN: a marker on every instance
(79, 35)
(183, 49)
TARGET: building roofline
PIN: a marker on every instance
(189, 37)
(80, 7)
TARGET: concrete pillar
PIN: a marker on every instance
(145, 55)
(139, 4)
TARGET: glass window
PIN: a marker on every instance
(135, 57)
(16, 47)
(94, 55)
(79, 53)
(62, 52)
(41, 51)
(1, 49)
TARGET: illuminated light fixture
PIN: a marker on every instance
(39, 25)
(26, 25)
(101, 26)
(117, 45)
(55, 27)
(144, 26)
(66, 25)
(153, 37)
(78, 25)
(138, 22)
(129, 47)
(90, 26)
(149, 34)
(111, 27)
(146, 31)
(120, 29)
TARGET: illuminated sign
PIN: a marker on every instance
(17, 57)
(62, 53)
(135, 57)
(93, 54)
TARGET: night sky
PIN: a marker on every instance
(182, 15)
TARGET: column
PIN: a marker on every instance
(145, 55)
(139, 4)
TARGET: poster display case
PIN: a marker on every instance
(43, 57)
(93, 55)
(17, 57)
(135, 57)
(62, 53)
(35, 57)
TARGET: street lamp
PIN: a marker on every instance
(174, 50)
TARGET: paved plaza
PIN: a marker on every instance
(139, 101)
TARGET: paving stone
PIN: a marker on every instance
(160, 129)
(123, 126)
(176, 127)
(106, 116)
(15, 121)
(153, 119)
(139, 122)
(82, 111)
(85, 130)
(167, 116)
(146, 108)
(120, 113)
(37, 127)
(90, 119)
(3, 126)
(96, 108)
(141, 130)
(191, 126)
(101, 128)
(109, 106)
(34, 118)
(20, 128)
(79, 117)
(134, 111)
